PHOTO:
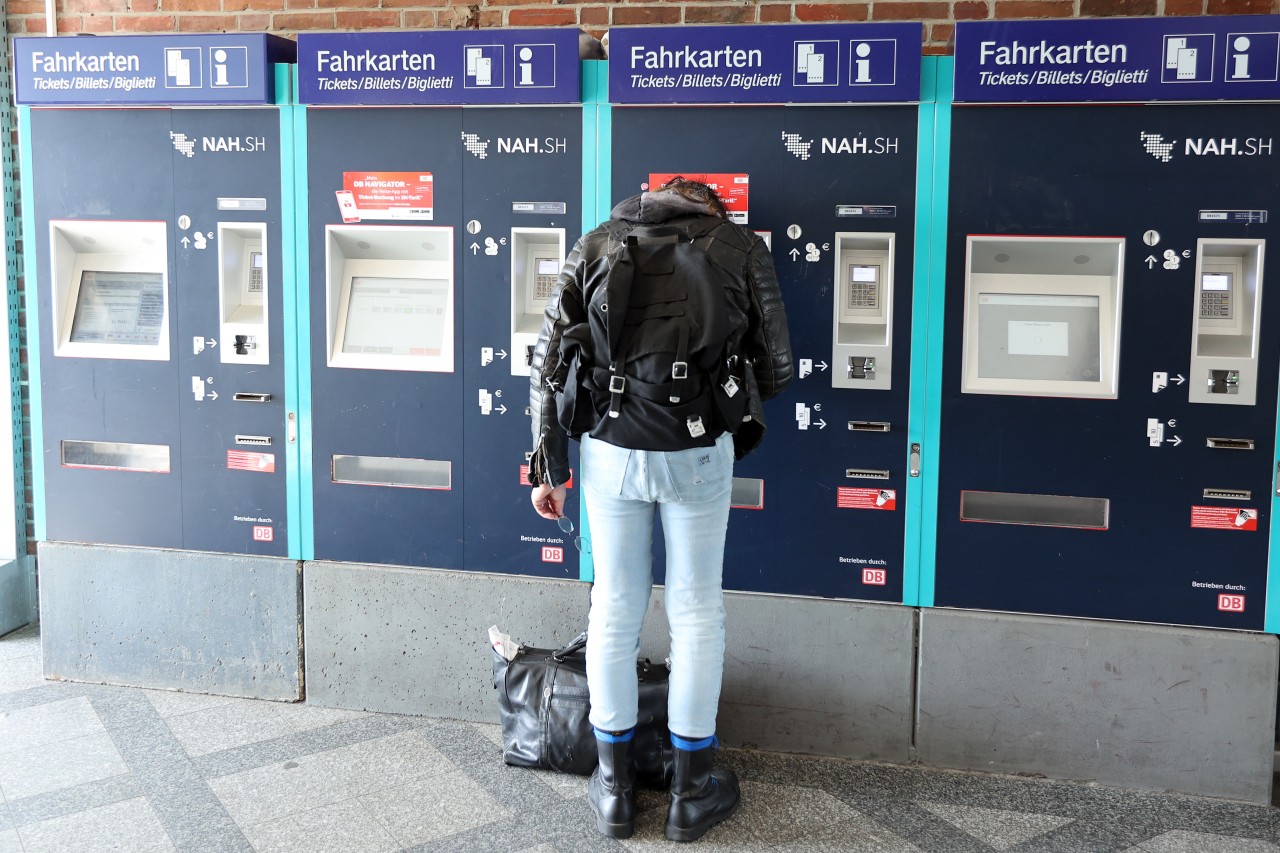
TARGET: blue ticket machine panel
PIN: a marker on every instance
(820, 508)
(435, 222)
(155, 251)
(1108, 401)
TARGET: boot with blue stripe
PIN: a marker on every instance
(611, 789)
(701, 795)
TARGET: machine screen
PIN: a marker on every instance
(396, 316)
(119, 308)
(1038, 336)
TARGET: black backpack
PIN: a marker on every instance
(656, 366)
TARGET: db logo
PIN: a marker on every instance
(262, 533)
(874, 577)
(1231, 603)
(553, 555)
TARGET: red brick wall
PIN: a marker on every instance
(288, 17)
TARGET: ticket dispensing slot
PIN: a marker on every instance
(862, 333)
(242, 293)
(1225, 324)
(110, 289)
(1042, 316)
(537, 254)
(390, 297)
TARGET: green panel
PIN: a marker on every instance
(293, 321)
(301, 348)
(33, 322)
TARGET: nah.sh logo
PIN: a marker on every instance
(1249, 146)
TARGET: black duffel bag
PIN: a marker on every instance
(544, 705)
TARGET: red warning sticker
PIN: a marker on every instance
(732, 189)
(243, 460)
(1224, 518)
(387, 195)
(847, 498)
(524, 477)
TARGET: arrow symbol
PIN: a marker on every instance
(1151, 261)
(502, 409)
(212, 343)
(1179, 379)
(186, 243)
(1175, 441)
(795, 253)
(475, 247)
(213, 395)
(821, 423)
(822, 365)
(502, 353)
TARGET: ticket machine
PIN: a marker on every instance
(830, 182)
(444, 187)
(157, 290)
(1109, 360)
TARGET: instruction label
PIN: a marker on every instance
(1224, 518)
(851, 498)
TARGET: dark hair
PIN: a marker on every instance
(699, 192)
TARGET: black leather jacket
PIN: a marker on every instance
(767, 343)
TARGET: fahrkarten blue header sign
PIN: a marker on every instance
(804, 63)
(440, 67)
(163, 69)
(1235, 58)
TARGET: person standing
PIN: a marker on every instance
(664, 391)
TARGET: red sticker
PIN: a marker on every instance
(1224, 518)
(552, 555)
(243, 460)
(732, 189)
(848, 498)
(388, 195)
(1231, 603)
(524, 477)
(263, 533)
(875, 577)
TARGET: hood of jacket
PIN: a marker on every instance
(659, 206)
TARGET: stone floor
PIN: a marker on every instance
(89, 768)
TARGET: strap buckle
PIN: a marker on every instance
(617, 384)
(680, 370)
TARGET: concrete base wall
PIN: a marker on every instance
(17, 599)
(801, 675)
(178, 620)
(1138, 706)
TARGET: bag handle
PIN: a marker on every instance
(576, 644)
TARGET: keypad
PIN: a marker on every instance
(1215, 305)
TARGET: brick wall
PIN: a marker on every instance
(288, 17)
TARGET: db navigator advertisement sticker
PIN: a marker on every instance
(1224, 518)
(386, 195)
(732, 190)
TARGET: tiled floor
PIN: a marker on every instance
(89, 768)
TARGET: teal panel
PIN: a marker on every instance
(30, 291)
(301, 373)
(942, 79)
(15, 329)
(293, 321)
(919, 323)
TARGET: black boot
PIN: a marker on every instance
(611, 789)
(701, 796)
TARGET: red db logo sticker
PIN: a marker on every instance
(1231, 603)
(553, 555)
(874, 577)
(262, 533)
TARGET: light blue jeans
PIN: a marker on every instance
(690, 488)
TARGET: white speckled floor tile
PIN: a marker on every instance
(434, 808)
(20, 673)
(130, 827)
(24, 642)
(302, 718)
(998, 828)
(1184, 841)
(40, 724)
(492, 731)
(238, 724)
(339, 828)
(777, 813)
(56, 766)
(172, 703)
(386, 762)
(278, 790)
(9, 841)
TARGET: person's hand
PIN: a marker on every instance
(548, 502)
